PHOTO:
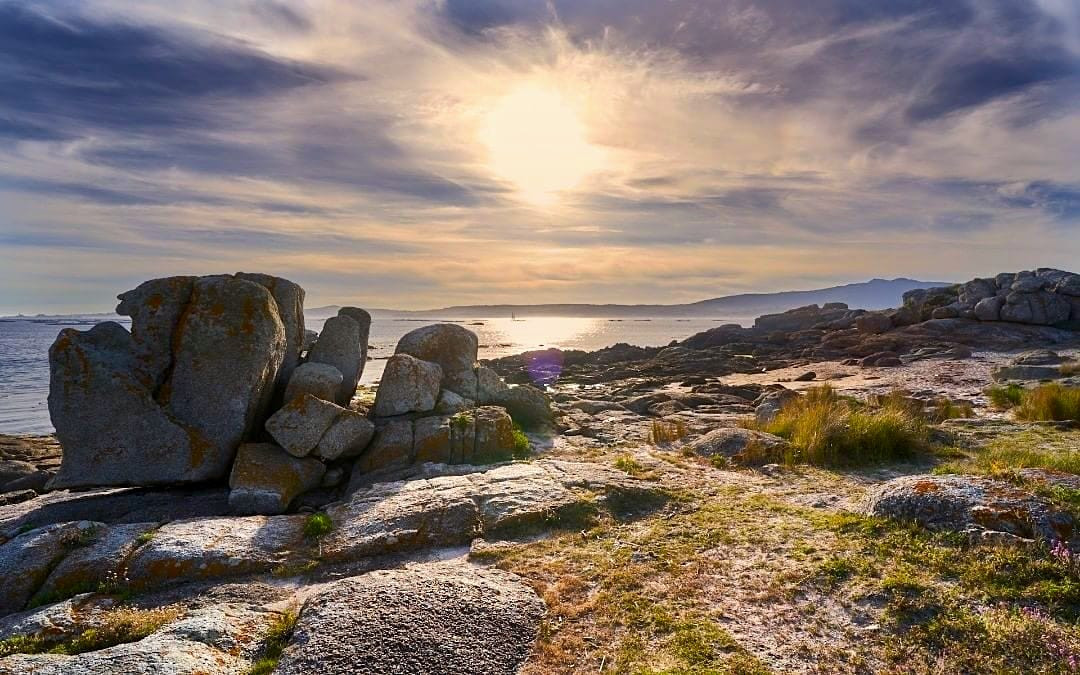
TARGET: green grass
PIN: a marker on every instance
(945, 409)
(115, 626)
(277, 638)
(1049, 402)
(825, 429)
(1005, 397)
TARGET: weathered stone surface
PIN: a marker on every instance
(318, 379)
(106, 548)
(1026, 373)
(530, 407)
(392, 447)
(494, 435)
(230, 346)
(300, 424)
(289, 297)
(363, 320)
(770, 405)
(1038, 357)
(1041, 307)
(743, 446)
(489, 386)
(339, 346)
(219, 639)
(112, 431)
(451, 346)
(26, 560)
(989, 309)
(54, 621)
(14, 469)
(155, 308)
(265, 479)
(432, 440)
(348, 436)
(210, 548)
(407, 385)
(968, 503)
(441, 617)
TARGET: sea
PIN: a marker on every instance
(25, 341)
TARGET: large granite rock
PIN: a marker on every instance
(742, 446)
(265, 479)
(969, 504)
(453, 618)
(489, 386)
(391, 448)
(112, 430)
(529, 406)
(363, 320)
(407, 385)
(339, 346)
(27, 560)
(451, 346)
(230, 345)
(1040, 307)
(348, 436)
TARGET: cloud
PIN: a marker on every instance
(748, 144)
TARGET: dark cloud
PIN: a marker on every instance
(72, 74)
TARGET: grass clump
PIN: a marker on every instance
(664, 431)
(1004, 398)
(317, 525)
(114, 627)
(825, 429)
(521, 445)
(277, 637)
(627, 464)
(946, 409)
(1049, 402)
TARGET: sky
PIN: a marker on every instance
(421, 153)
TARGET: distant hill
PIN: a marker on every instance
(873, 294)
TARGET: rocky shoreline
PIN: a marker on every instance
(217, 473)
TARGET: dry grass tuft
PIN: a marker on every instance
(1049, 402)
(664, 431)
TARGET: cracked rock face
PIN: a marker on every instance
(969, 503)
(455, 618)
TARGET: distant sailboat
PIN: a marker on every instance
(513, 317)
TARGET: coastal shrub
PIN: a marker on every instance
(1049, 402)
(946, 409)
(826, 429)
(664, 431)
(628, 464)
(277, 637)
(522, 446)
(1005, 397)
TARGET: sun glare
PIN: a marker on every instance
(536, 140)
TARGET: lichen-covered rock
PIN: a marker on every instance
(265, 479)
(742, 446)
(318, 379)
(407, 385)
(450, 403)
(494, 436)
(1036, 307)
(451, 346)
(348, 436)
(392, 447)
(230, 345)
(431, 440)
(102, 548)
(339, 346)
(436, 617)
(969, 503)
(155, 308)
(222, 638)
(112, 430)
(300, 424)
(530, 407)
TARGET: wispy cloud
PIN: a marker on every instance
(760, 144)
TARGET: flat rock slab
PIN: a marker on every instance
(969, 504)
(449, 618)
(738, 444)
(219, 639)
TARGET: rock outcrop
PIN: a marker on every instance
(451, 346)
(339, 346)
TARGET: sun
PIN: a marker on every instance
(537, 141)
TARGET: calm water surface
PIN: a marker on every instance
(24, 349)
